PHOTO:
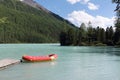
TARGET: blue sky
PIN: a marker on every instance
(99, 12)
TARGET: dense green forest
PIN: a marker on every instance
(21, 23)
(88, 36)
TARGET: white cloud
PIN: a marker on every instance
(85, 1)
(78, 17)
(73, 1)
(76, 1)
(92, 6)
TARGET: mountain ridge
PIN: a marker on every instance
(35, 5)
(40, 7)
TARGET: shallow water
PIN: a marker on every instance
(73, 63)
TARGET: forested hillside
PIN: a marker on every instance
(21, 23)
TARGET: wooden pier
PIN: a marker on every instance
(7, 62)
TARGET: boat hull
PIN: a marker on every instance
(39, 58)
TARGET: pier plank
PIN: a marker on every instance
(7, 62)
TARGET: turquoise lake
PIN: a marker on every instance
(73, 63)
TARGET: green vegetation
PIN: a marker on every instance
(88, 36)
(20, 23)
(117, 23)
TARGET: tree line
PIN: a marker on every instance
(87, 36)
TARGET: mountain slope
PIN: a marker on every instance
(19, 22)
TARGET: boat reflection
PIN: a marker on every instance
(38, 65)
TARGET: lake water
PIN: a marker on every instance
(73, 63)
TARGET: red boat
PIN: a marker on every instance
(39, 58)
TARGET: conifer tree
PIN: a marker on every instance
(117, 24)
